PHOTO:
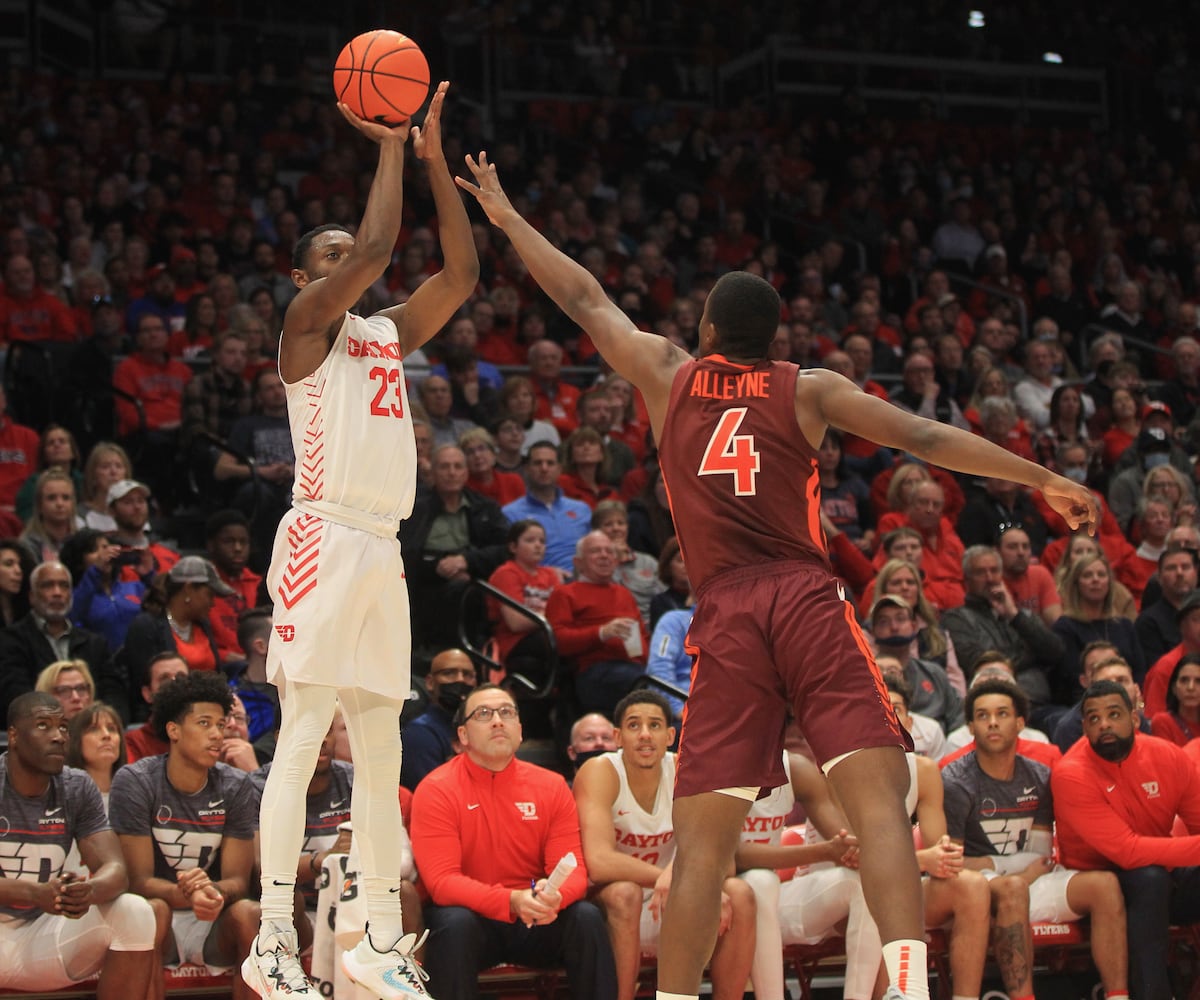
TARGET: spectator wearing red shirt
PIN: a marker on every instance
(597, 624)
(157, 380)
(19, 447)
(1180, 723)
(523, 578)
(1031, 584)
(28, 312)
(487, 831)
(555, 399)
(941, 562)
(483, 477)
(1116, 796)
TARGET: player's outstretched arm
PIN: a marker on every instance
(321, 302)
(432, 305)
(826, 398)
(647, 360)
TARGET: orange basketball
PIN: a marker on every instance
(382, 76)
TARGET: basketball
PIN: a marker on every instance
(382, 76)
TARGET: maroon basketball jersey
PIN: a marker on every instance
(742, 480)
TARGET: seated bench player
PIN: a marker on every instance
(59, 927)
(624, 802)
(186, 823)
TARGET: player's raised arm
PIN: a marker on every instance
(336, 268)
(647, 360)
(431, 305)
(824, 397)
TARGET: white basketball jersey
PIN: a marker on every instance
(649, 836)
(767, 818)
(356, 458)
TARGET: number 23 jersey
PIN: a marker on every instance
(352, 430)
(742, 479)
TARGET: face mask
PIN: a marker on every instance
(1155, 460)
(1076, 473)
(896, 641)
(1115, 750)
(583, 756)
(450, 696)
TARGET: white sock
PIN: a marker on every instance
(957, 997)
(907, 964)
(660, 995)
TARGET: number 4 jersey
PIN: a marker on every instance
(742, 479)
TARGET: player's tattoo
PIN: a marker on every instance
(1012, 956)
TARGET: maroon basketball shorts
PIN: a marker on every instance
(764, 639)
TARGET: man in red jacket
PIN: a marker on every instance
(487, 830)
(596, 622)
(1116, 797)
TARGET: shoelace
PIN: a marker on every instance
(411, 968)
(288, 971)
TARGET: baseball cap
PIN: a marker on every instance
(155, 271)
(179, 253)
(889, 600)
(948, 299)
(197, 569)
(1157, 406)
(124, 487)
(1190, 603)
(995, 250)
(1152, 439)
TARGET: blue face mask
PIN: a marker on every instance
(1155, 460)
(1076, 473)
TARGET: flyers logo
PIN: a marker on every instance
(286, 632)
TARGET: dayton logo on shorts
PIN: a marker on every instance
(286, 632)
(528, 810)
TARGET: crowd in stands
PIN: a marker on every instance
(1038, 286)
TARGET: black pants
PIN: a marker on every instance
(602, 685)
(462, 944)
(1155, 899)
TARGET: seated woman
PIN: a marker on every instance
(1087, 599)
(16, 563)
(107, 463)
(637, 571)
(479, 448)
(96, 744)
(57, 450)
(903, 579)
(54, 519)
(1180, 723)
(70, 681)
(585, 467)
(519, 643)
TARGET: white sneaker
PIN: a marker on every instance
(391, 975)
(272, 969)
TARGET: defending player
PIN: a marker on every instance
(738, 437)
(336, 577)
